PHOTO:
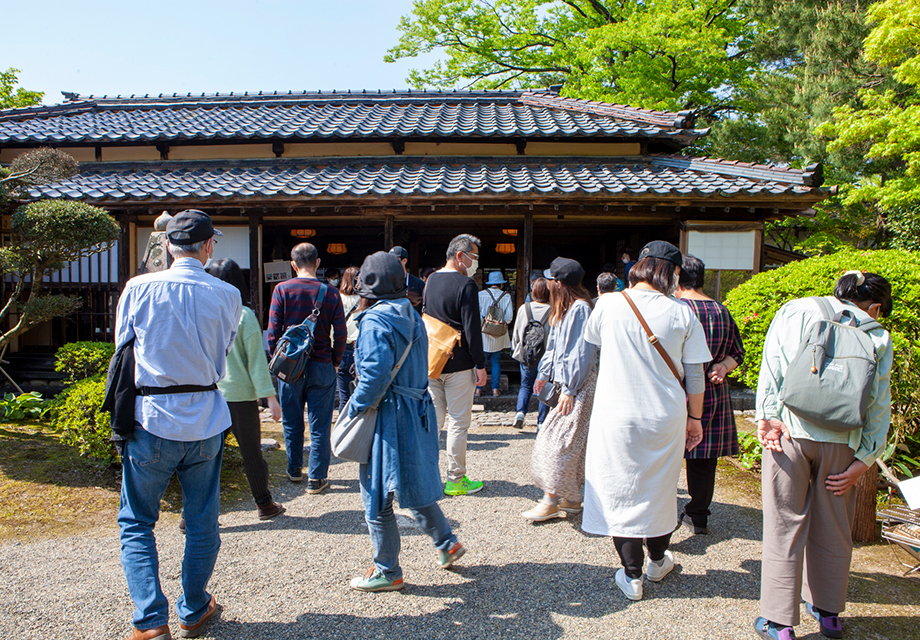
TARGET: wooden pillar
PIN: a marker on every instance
(865, 528)
(388, 233)
(255, 266)
(525, 258)
(124, 250)
(758, 250)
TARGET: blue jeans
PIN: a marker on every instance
(316, 389)
(343, 376)
(148, 463)
(385, 533)
(528, 378)
(495, 358)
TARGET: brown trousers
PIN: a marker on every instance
(805, 524)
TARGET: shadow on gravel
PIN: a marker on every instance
(882, 588)
(730, 521)
(509, 602)
(333, 522)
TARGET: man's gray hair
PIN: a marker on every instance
(304, 255)
(464, 242)
(606, 283)
(186, 250)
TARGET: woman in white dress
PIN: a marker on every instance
(643, 420)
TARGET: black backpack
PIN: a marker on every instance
(293, 349)
(533, 343)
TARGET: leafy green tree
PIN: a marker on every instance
(12, 96)
(44, 237)
(886, 124)
(674, 54)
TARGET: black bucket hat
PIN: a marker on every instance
(381, 277)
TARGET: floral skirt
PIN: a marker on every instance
(558, 460)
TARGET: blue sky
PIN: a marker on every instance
(203, 46)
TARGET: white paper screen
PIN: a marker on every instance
(724, 250)
(234, 244)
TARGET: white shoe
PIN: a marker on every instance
(631, 587)
(519, 421)
(542, 511)
(655, 571)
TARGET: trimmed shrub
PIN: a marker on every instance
(754, 303)
(80, 360)
(81, 421)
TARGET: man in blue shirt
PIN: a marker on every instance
(183, 322)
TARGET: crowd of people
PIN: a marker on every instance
(631, 383)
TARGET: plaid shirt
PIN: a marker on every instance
(293, 301)
(720, 436)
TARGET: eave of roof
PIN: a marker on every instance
(424, 177)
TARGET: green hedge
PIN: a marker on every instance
(81, 421)
(754, 303)
(79, 360)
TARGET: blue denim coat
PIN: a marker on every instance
(404, 457)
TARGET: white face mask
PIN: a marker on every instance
(471, 270)
(335, 282)
(625, 260)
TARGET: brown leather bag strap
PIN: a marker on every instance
(653, 339)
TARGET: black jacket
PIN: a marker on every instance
(120, 392)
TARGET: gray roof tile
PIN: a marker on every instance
(478, 114)
(370, 178)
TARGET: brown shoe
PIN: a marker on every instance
(569, 507)
(270, 510)
(195, 630)
(496, 392)
(157, 633)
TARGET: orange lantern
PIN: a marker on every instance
(505, 248)
(303, 234)
(510, 232)
(336, 248)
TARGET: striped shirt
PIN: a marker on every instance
(293, 301)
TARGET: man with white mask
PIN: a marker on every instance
(452, 297)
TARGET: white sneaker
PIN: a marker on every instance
(631, 587)
(519, 421)
(655, 571)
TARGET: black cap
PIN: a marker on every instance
(565, 270)
(663, 250)
(400, 253)
(190, 226)
(381, 277)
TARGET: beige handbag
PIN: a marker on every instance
(442, 338)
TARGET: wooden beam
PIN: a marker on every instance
(525, 258)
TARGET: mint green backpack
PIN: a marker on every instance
(829, 381)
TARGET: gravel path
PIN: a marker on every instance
(288, 578)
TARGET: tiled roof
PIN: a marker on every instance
(364, 115)
(425, 177)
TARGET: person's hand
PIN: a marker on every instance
(840, 483)
(538, 386)
(717, 373)
(770, 434)
(275, 408)
(694, 433)
(480, 377)
(566, 404)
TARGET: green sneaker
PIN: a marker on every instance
(373, 581)
(447, 558)
(462, 487)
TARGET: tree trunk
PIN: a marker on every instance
(864, 526)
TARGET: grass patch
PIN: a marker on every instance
(48, 490)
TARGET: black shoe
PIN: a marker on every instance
(295, 475)
(317, 485)
(697, 529)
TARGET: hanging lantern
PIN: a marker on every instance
(505, 248)
(510, 232)
(303, 234)
(336, 248)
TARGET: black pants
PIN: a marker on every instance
(632, 555)
(701, 483)
(247, 430)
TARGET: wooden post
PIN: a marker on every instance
(388, 233)
(124, 250)
(255, 266)
(525, 259)
(864, 527)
